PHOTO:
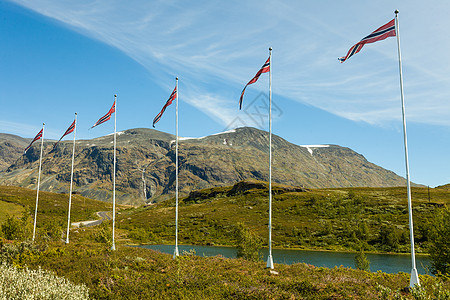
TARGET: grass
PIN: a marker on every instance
(209, 217)
(13, 209)
(51, 206)
(52, 212)
(347, 219)
(375, 219)
(134, 273)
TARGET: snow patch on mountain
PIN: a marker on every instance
(311, 147)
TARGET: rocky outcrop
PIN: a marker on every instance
(218, 160)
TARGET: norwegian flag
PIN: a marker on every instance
(169, 101)
(107, 116)
(37, 137)
(381, 33)
(264, 69)
(68, 131)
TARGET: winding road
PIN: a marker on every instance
(102, 214)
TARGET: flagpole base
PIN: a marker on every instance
(113, 247)
(414, 278)
(175, 252)
(67, 240)
(269, 262)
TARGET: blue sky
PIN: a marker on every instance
(62, 57)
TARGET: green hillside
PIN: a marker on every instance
(345, 219)
(9, 208)
(52, 207)
(209, 216)
(135, 273)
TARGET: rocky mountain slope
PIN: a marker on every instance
(11, 148)
(217, 160)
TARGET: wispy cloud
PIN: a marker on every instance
(214, 41)
(25, 130)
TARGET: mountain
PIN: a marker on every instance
(444, 187)
(11, 148)
(217, 160)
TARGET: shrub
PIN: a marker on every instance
(388, 238)
(139, 234)
(11, 228)
(18, 229)
(52, 231)
(440, 243)
(15, 252)
(361, 261)
(37, 284)
(103, 234)
(248, 243)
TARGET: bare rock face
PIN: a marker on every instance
(218, 160)
(11, 148)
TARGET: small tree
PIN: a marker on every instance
(11, 228)
(52, 230)
(103, 234)
(27, 223)
(361, 261)
(439, 239)
(388, 238)
(248, 243)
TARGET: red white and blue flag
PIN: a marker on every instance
(264, 69)
(107, 116)
(37, 137)
(68, 131)
(381, 33)
(169, 101)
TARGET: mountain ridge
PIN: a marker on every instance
(215, 160)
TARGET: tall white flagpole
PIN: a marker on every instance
(114, 175)
(269, 258)
(176, 253)
(414, 275)
(71, 180)
(39, 181)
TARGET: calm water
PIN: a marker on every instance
(387, 263)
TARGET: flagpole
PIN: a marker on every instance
(71, 180)
(114, 175)
(176, 253)
(39, 181)
(414, 275)
(269, 258)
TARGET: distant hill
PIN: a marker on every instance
(217, 160)
(444, 187)
(338, 219)
(11, 148)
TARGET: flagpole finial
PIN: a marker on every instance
(270, 48)
(43, 124)
(115, 95)
(176, 78)
(396, 11)
(76, 113)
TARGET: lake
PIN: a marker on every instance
(388, 263)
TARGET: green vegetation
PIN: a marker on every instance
(12, 209)
(361, 261)
(137, 273)
(440, 242)
(374, 219)
(17, 229)
(53, 206)
(37, 284)
(248, 244)
(52, 213)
